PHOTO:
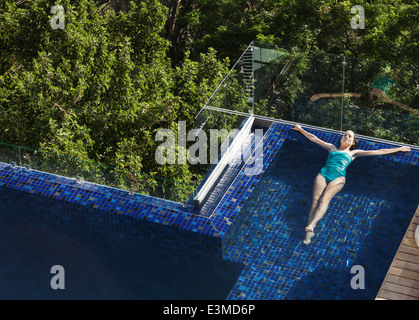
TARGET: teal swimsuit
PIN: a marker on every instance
(336, 165)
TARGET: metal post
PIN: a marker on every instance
(20, 158)
(343, 92)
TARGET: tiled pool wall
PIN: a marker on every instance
(123, 235)
(216, 229)
(107, 199)
(156, 222)
(105, 256)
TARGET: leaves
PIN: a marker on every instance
(100, 88)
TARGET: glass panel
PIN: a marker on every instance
(380, 101)
(218, 127)
(92, 172)
(325, 90)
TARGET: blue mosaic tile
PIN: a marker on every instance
(104, 198)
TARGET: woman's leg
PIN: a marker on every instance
(331, 190)
(319, 186)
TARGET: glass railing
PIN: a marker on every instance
(220, 130)
(331, 91)
(136, 182)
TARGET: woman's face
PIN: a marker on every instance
(348, 138)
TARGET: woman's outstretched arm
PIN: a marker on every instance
(380, 152)
(313, 138)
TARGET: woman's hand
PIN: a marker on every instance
(296, 127)
(404, 149)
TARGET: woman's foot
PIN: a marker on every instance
(309, 235)
(309, 229)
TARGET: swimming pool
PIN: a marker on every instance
(248, 247)
(104, 256)
(363, 226)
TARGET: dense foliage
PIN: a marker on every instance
(101, 87)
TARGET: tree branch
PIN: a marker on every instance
(358, 95)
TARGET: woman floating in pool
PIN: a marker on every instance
(331, 177)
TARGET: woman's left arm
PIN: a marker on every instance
(380, 152)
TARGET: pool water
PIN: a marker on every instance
(104, 255)
(364, 226)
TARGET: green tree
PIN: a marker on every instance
(99, 89)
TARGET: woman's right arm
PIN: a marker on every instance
(312, 137)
